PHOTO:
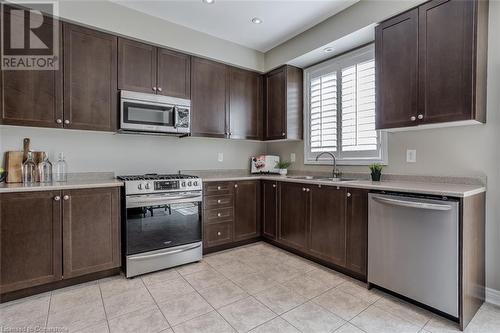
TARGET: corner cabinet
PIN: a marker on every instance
(283, 103)
(90, 79)
(431, 64)
(48, 236)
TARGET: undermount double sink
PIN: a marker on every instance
(321, 178)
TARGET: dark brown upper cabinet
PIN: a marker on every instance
(246, 209)
(31, 239)
(90, 79)
(91, 231)
(269, 208)
(245, 104)
(283, 103)
(150, 69)
(327, 223)
(209, 98)
(431, 64)
(396, 58)
(33, 97)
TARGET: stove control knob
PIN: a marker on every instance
(183, 184)
(139, 187)
(195, 184)
(189, 183)
(147, 186)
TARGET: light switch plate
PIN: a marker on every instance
(220, 157)
(411, 156)
(292, 157)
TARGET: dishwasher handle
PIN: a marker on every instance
(412, 204)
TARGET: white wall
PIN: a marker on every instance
(458, 151)
(128, 154)
(118, 19)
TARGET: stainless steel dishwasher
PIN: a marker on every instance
(413, 248)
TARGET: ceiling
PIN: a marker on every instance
(231, 19)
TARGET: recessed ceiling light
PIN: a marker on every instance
(256, 20)
(209, 1)
(328, 49)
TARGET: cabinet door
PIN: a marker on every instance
(275, 122)
(136, 66)
(91, 231)
(30, 238)
(174, 74)
(90, 79)
(293, 215)
(327, 225)
(245, 104)
(32, 97)
(246, 209)
(396, 57)
(269, 208)
(357, 230)
(208, 98)
(446, 39)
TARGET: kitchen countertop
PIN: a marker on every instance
(75, 181)
(406, 185)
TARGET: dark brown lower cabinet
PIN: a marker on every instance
(357, 230)
(246, 209)
(327, 223)
(293, 226)
(30, 238)
(231, 212)
(269, 208)
(91, 231)
(48, 236)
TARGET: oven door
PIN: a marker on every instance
(159, 221)
(147, 116)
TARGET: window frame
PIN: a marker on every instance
(347, 157)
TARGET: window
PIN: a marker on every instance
(340, 110)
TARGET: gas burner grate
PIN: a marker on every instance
(154, 176)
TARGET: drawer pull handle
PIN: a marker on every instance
(218, 233)
(235, 185)
(218, 188)
(66, 197)
(218, 201)
(308, 189)
(274, 185)
(303, 189)
(219, 214)
(348, 194)
(57, 198)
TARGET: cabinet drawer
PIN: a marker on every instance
(218, 188)
(217, 234)
(218, 201)
(218, 215)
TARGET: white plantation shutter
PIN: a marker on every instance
(323, 115)
(340, 110)
(358, 107)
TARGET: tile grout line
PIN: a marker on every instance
(103, 306)
(156, 303)
(48, 311)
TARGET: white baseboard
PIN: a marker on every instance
(493, 296)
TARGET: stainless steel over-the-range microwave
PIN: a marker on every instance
(157, 114)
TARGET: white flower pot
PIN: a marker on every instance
(283, 172)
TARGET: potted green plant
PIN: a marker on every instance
(376, 171)
(283, 167)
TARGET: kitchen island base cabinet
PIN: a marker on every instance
(48, 237)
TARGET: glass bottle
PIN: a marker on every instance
(61, 169)
(45, 169)
(29, 170)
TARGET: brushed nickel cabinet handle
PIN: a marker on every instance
(66, 197)
(308, 189)
(57, 198)
(235, 185)
(159, 89)
(303, 189)
(219, 214)
(154, 88)
(218, 233)
(420, 116)
(274, 185)
(348, 194)
(413, 118)
(66, 122)
(218, 188)
(59, 121)
(218, 201)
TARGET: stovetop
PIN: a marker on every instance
(157, 183)
(155, 176)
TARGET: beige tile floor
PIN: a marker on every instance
(256, 288)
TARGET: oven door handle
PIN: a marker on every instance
(133, 202)
(149, 256)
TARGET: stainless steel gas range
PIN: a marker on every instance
(162, 222)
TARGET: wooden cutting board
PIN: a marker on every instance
(14, 166)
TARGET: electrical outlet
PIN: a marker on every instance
(411, 156)
(220, 157)
(292, 157)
